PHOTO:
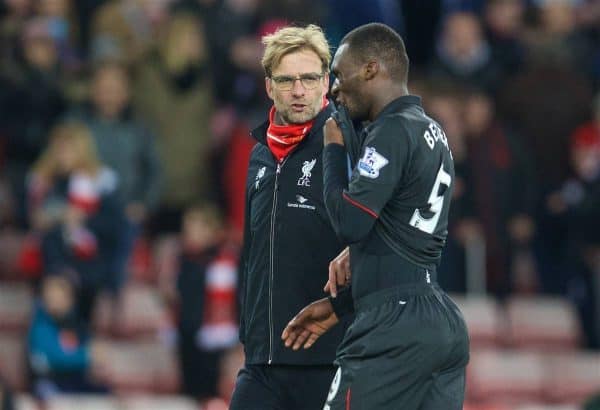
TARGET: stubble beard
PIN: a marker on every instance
(291, 117)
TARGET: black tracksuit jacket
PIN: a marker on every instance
(288, 244)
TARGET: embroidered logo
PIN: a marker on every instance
(370, 164)
(301, 202)
(259, 175)
(307, 167)
(301, 199)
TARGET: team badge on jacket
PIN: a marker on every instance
(307, 167)
(370, 164)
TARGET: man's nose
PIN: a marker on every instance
(297, 88)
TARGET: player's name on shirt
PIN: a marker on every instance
(435, 134)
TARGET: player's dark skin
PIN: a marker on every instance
(364, 89)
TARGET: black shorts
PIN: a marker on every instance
(281, 387)
(406, 350)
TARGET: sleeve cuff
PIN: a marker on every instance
(343, 304)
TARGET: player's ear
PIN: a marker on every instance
(370, 70)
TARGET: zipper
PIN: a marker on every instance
(272, 257)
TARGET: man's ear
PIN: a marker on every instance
(370, 70)
(269, 87)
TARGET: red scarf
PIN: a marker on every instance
(282, 139)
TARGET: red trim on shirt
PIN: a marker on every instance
(360, 206)
(348, 397)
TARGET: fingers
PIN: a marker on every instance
(295, 336)
(332, 132)
(302, 337)
(311, 340)
(290, 333)
(332, 281)
(339, 272)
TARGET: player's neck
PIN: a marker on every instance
(385, 96)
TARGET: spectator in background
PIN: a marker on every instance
(127, 28)
(574, 210)
(32, 100)
(6, 396)
(556, 35)
(529, 104)
(173, 94)
(463, 55)
(445, 104)
(13, 14)
(206, 296)
(61, 24)
(127, 147)
(503, 192)
(504, 23)
(234, 49)
(75, 210)
(61, 353)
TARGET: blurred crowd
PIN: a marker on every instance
(127, 120)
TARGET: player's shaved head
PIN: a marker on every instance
(378, 42)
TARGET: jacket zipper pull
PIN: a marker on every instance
(277, 172)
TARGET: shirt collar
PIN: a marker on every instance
(395, 106)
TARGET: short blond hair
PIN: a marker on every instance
(291, 39)
(78, 137)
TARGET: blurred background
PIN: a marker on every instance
(123, 151)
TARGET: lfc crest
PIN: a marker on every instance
(307, 167)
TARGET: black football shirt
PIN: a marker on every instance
(403, 179)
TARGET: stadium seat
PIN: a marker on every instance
(151, 402)
(215, 404)
(25, 402)
(10, 250)
(484, 318)
(15, 306)
(547, 407)
(141, 313)
(484, 406)
(572, 377)
(12, 361)
(505, 376)
(82, 402)
(547, 323)
(141, 366)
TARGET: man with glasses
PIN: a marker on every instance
(288, 239)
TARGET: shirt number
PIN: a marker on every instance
(436, 203)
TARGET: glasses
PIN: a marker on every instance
(286, 83)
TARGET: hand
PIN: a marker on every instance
(308, 325)
(332, 133)
(339, 272)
